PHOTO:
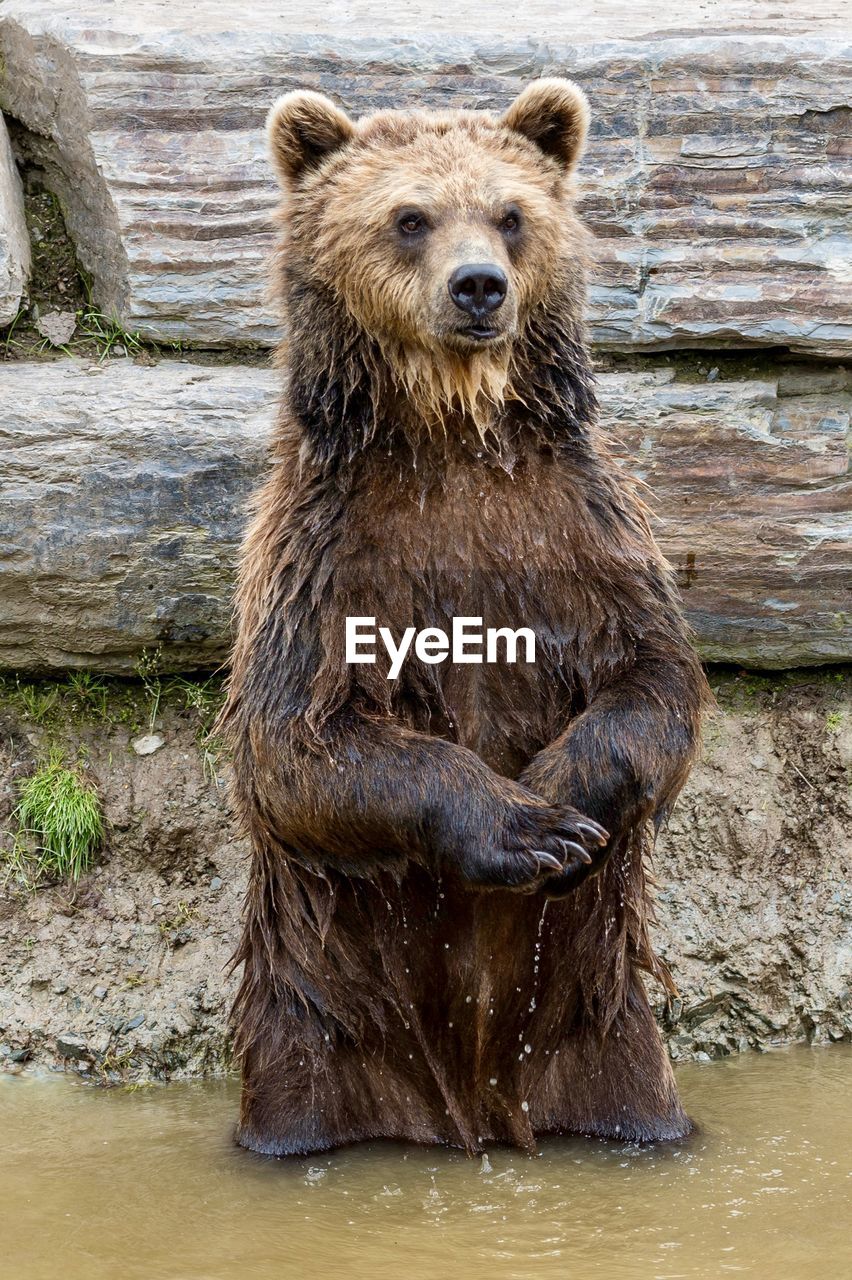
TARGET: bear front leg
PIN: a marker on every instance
(372, 792)
(626, 757)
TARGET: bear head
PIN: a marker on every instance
(443, 236)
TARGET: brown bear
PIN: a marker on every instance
(447, 918)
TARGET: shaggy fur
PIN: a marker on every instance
(439, 944)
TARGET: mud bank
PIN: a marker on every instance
(123, 977)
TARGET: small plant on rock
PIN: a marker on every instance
(107, 334)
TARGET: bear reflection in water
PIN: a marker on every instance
(447, 916)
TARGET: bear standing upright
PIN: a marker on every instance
(447, 918)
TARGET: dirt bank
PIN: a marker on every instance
(123, 977)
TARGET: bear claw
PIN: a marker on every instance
(594, 830)
(548, 860)
(577, 850)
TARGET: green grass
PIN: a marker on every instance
(95, 334)
(16, 867)
(60, 812)
(203, 696)
(91, 692)
(37, 700)
(106, 334)
(83, 698)
(182, 916)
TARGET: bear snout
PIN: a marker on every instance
(479, 288)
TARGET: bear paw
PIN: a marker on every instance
(539, 844)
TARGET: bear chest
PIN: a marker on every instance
(475, 538)
(504, 548)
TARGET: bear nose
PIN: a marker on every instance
(478, 287)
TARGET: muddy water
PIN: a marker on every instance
(118, 1184)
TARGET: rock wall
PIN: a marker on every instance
(717, 184)
(717, 179)
(125, 976)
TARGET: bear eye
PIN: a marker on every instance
(511, 221)
(411, 223)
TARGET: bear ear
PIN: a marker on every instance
(554, 114)
(303, 128)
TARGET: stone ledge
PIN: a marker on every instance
(122, 491)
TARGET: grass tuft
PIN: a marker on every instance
(91, 692)
(60, 810)
(38, 700)
(16, 867)
(106, 334)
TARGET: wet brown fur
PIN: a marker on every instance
(410, 970)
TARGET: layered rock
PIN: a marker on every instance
(717, 179)
(120, 509)
(14, 240)
(122, 490)
(750, 481)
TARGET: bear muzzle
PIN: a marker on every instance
(479, 290)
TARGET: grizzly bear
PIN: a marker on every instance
(447, 919)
